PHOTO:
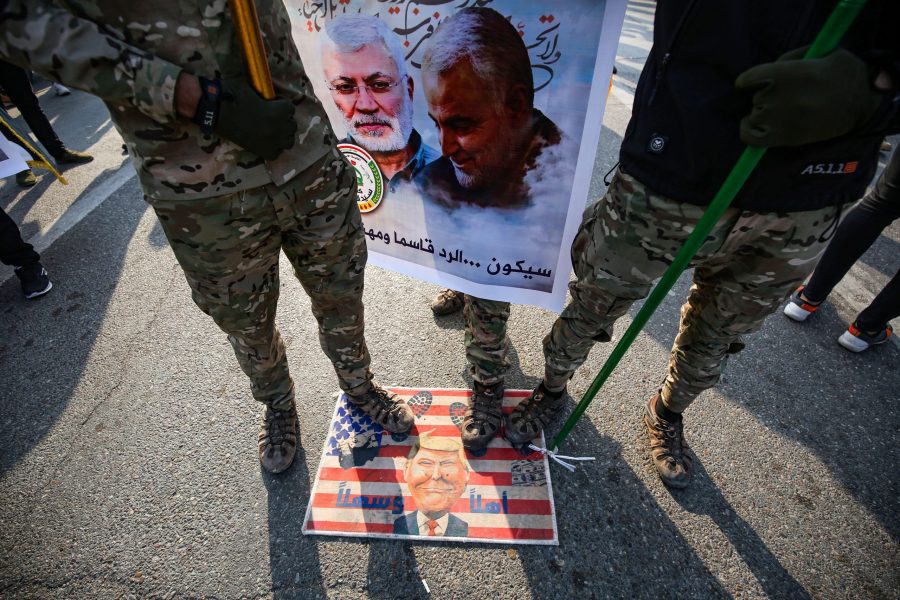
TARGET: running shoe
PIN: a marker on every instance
(799, 309)
(856, 340)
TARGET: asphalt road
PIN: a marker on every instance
(127, 432)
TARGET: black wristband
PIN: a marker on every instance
(208, 107)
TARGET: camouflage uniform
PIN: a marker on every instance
(229, 245)
(486, 341)
(226, 212)
(747, 266)
(129, 54)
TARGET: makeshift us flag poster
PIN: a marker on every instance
(472, 126)
(424, 485)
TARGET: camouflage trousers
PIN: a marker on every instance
(486, 341)
(745, 269)
(229, 246)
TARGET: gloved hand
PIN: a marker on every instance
(797, 102)
(264, 127)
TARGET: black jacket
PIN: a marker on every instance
(682, 139)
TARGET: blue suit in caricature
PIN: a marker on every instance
(409, 525)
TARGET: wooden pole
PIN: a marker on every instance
(246, 24)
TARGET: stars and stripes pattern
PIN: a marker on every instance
(362, 496)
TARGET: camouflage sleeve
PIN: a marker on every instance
(42, 36)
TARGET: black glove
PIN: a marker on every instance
(797, 102)
(233, 110)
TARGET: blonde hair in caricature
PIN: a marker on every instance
(440, 444)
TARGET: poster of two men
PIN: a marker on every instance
(473, 142)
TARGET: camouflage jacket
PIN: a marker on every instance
(129, 53)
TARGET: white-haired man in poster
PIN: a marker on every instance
(365, 71)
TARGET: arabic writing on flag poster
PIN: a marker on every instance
(472, 126)
(424, 485)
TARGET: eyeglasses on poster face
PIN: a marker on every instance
(380, 86)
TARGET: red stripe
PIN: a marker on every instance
(392, 476)
(450, 431)
(461, 506)
(403, 391)
(510, 533)
(443, 410)
(399, 450)
(350, 527)
(490, 533)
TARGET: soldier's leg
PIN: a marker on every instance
(487, 347)
(486, 342)
(323, 238)
(625, 242)
(228, 248)
(763, 259)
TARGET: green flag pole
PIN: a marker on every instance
(825, 42)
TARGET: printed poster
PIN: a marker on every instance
(472, 125)
(424, 485)
(12, 157)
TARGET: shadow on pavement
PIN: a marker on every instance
(846, 415)
(615, 540)
(25, 201)
(704, 498)
(293, 557)
(46, 343)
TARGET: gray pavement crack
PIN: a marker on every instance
(131, 349)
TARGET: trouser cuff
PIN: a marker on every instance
(675, 401)
(357, 386)
(555, 381)
(284, 402)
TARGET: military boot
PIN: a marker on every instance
(386, 409)
(483, 417)
(532, 415)
(668, 449)
(73, 157)
(278, 438)
(447, 302)
(26, 178)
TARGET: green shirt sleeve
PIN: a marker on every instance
(44, 37)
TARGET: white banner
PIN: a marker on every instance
(12, 158)
(474, 141)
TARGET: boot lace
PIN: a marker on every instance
(277, 422)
